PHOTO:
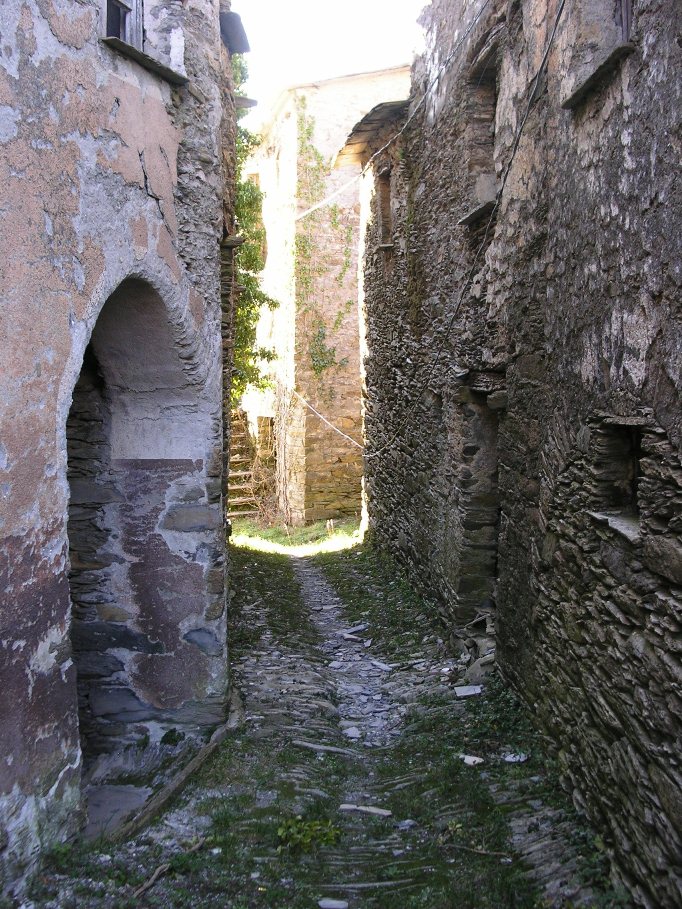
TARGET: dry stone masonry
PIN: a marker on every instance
(523, 421)
(116, 139)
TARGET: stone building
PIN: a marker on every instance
(116, 140)
(311, 269)
(523, 415)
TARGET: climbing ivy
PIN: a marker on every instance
(312, 261)
(250, 260)
(321, 356)
(341, 314)
(310, 187)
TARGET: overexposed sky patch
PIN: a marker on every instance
(305, 40)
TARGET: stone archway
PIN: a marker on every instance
(145, 531)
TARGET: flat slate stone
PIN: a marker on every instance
(191, 518)
(383, 666)
(513, 758)
(467, 691)
(109, 805)
(313, 746)
(366, 809)
(99, 636)
(205, 640)
(471, 760)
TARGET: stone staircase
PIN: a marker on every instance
(241, 501)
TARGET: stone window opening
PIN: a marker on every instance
(622, 480)
(475, 528)
(384, 214)
(617, 471)
(123, 31)
(481, 108)
(124, 21)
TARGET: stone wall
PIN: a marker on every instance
(311, 269)
(523, 415)
(110, 459)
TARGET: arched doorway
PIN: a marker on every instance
(145, 530)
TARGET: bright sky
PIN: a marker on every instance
(295, 41)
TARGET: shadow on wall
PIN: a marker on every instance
(135, 437)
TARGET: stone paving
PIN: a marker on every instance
(333, 738)
(342, 698)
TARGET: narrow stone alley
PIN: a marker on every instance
(360, 774)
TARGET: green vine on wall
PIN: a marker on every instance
(321, 355)
(341, 314)
(310, 186)
(312, 261)
(250, 260)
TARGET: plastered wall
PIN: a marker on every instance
(112, 205)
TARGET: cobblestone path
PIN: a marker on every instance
(359, 777)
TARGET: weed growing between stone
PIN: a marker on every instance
(493, 725)
(261, 824)
(300, 835)
(374, 590)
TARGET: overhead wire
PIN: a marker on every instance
(337, 192)
(532, 95)
(472, 270)
(325, 420)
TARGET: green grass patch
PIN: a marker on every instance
(375, 590)
(274, 834)
(299, 834)
(266, 582)
(321, 533)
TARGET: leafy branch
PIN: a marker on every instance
(250, 261)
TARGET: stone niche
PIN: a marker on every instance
(607, 617)
(477, 511)
(595, 35)
(144, 530)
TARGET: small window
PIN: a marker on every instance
(479, 137)
(620, 451)
(124, 21)
(384, 216)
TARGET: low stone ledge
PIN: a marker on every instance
(584, 82)
(147, 62)
(624, 524)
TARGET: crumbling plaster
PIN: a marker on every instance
(101, 182)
